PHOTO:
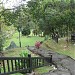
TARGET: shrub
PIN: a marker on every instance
(2, 39)
(25, 31)
(24, 53)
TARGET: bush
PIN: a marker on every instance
(1, 42)
(24, 53)
(35, 32)
(25, 31)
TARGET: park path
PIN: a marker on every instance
(65, 65)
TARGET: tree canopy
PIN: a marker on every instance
(53, 15)
(42, 15)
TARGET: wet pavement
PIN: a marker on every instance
(65, 64)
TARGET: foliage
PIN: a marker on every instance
(8, 17)
(35, 32)
(2, 36)
(1, 43)
(48, 16)
(26, 31)
(53, 15)
(24, 53)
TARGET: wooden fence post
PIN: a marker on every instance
(0, 68)
(30, 63)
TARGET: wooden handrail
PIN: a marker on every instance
(10, 65)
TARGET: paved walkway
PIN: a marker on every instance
(65, 65)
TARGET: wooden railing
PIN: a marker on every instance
(10, 65)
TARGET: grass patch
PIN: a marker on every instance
(42, 70)
(61, 47)
(18, 74)
(16, 52)
(24, 40)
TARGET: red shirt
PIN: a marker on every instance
(37, 44)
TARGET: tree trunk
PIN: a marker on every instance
(1, 46)
(19, 39)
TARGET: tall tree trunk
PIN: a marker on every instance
(1, 46)
(19, 39)
(67, 35)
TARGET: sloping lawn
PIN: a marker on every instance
(62, 47)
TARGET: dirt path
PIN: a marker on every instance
(65, 65)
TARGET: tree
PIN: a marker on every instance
(17, 17)
(1, 32)
(25, 31)
(54, 15)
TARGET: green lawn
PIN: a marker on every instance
(24, 40)
(42, 70)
